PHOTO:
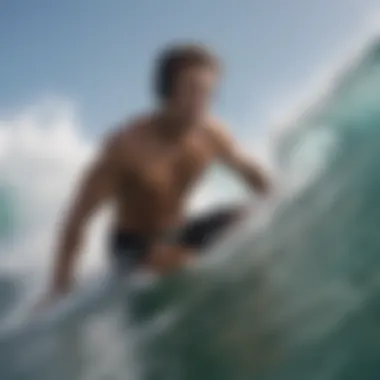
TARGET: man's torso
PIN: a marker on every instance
(157, 175)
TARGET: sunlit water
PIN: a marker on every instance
(294, 297)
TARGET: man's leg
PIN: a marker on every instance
(198, 233)
(165, 258)
(203, 230)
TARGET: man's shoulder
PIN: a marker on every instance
(215, 127)
(219, 135)
(128, 132)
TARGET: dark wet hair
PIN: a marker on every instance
(176, 58)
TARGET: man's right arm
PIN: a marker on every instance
(97, 186)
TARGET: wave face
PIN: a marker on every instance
(296, 297)
(6, 213)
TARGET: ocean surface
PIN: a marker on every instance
(294, 293)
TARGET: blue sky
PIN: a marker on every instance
(98, 54)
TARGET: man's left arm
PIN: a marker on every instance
(232, 155)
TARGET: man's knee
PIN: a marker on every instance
(236, 212)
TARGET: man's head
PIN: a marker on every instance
(185, 79)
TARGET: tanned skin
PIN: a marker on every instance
(147, 168)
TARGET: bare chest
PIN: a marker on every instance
(168, 172)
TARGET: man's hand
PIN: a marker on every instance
(46, 302)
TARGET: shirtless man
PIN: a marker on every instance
(148, 166)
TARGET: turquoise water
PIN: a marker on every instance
(7, 213)
(298, 298)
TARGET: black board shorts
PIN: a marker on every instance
(129, 249)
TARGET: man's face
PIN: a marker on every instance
(193, 91)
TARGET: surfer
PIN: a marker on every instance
(147, 167)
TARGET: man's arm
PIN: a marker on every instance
(98, 185)
(234, 157)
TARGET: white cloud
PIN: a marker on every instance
(41, 155)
